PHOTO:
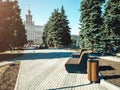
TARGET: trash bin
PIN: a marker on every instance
(89, 70)
(93, 70)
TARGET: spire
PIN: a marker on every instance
(29, 12)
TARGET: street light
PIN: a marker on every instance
(13, 42)
(15, 35)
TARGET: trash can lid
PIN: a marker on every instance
(91, 60)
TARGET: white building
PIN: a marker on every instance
(34, 32)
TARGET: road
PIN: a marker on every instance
(45, 70)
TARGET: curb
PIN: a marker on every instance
(17, 81)
(107, 85)
(5, 63)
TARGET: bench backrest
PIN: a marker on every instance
(84, 55)
(82, 50)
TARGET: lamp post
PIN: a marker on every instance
(15, 35)
(13, 42)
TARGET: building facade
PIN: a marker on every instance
(34, 32)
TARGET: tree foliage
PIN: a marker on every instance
(112, 16)
(57, 31)
(12, 31)
(97, 27)
(91, 22)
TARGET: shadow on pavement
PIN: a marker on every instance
(8, 57)
(111, 77)
(35, 56)
(70, 87)
(104, 68)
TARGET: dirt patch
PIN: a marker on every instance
(110, 71)
(9, 77)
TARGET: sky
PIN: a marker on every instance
(41, 11)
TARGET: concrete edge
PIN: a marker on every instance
(17, 81)
(107, 85)
(2, 64)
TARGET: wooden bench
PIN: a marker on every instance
(78, 65)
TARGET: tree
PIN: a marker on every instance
(57, 31)
(53, 29)
(5, 30)
(91, 22)
(44, 37)
(20, 38)
(12, 28)
(65, 31)
(112, 19)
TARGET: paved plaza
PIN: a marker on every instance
(45, 70)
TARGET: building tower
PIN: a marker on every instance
(29, 26)
(33, 32)
(29, 17)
